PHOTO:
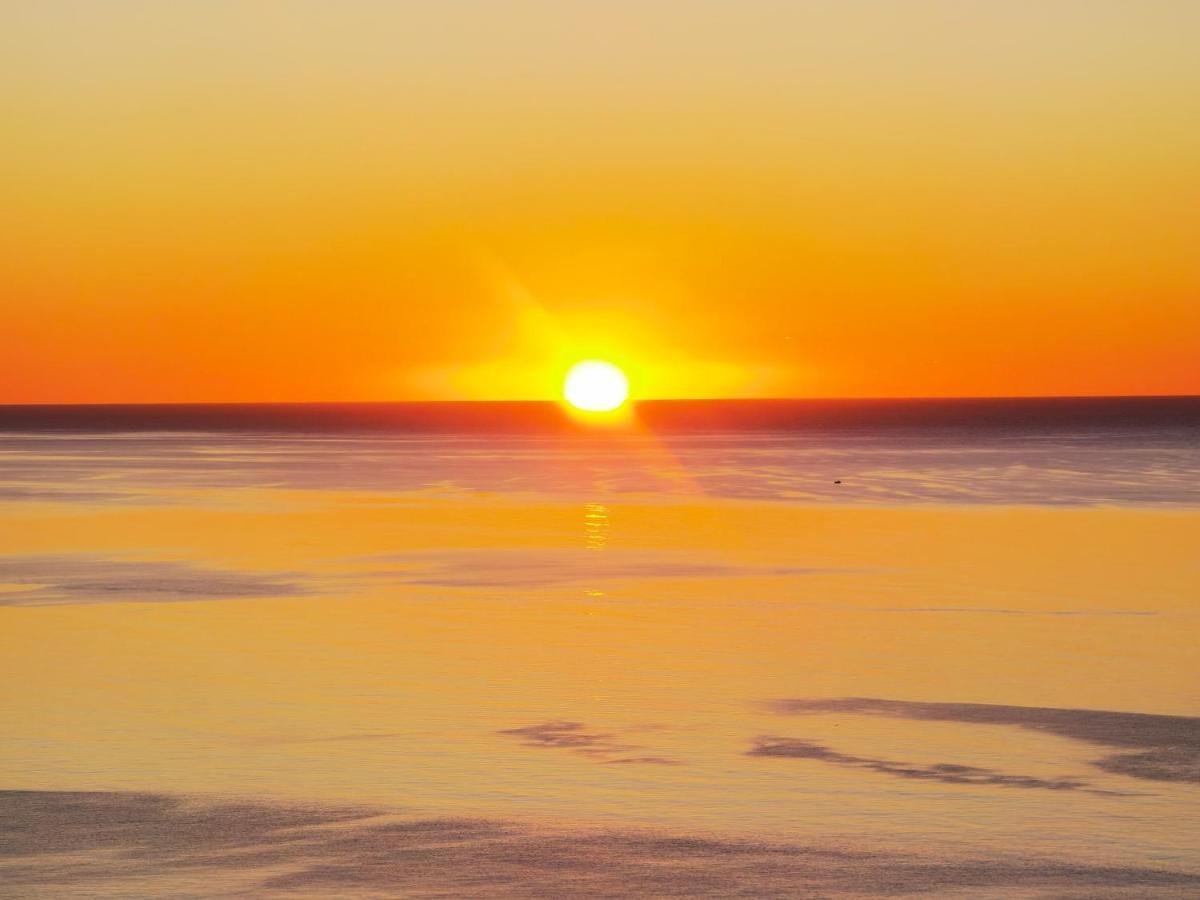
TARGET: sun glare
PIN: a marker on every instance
(596, 386)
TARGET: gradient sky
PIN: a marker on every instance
(389, 200)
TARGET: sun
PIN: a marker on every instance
(596, 386)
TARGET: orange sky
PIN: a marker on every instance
(379, 200)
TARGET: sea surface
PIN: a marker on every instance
(865, 649)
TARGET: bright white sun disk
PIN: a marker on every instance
(596, 386)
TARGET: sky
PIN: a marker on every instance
(256, 201)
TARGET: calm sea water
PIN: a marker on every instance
(736, 651)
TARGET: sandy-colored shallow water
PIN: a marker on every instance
(313, 667)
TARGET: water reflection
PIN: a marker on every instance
(595, 526)
(595, 535)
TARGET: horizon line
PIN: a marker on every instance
(632, 402)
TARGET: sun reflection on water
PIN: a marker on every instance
(595, 526)
(595, 535)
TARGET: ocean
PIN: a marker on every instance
(731, 648)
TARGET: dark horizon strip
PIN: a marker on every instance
(541, 417)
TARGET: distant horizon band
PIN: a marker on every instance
(545, 416)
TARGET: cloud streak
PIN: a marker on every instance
(63, 844)
(1156, 747)
(82, 578)
(529, 568)
(947, 773)
(572, 736)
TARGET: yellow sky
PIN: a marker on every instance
(360, 200)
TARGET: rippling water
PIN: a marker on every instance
(759, 662)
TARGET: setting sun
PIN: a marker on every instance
(596, 386)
